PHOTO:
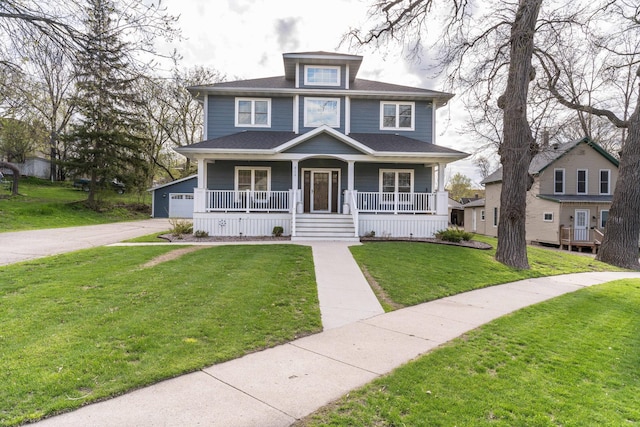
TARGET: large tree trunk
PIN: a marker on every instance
(517, 146)
(620, 243)
(16, 176)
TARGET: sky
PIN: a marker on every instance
(245, 39)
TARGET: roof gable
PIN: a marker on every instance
(324, 129)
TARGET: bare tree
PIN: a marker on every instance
(502, 43)
(620, 52)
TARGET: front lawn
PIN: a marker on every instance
(410, 273)
(82, 326)
(44, 204)
(570, 361)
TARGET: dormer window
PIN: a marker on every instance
(253, 112)
(321, 76)
(397, 115)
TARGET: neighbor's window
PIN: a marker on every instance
(253, 179)
(321, 76)
(321, 111)
(482, 215)
(605, 181)
(400, 181)
(582, 182)
(547, 216)
(253, 112)
(397, 115)
(495, 217)
(558, 181)
(604, 215)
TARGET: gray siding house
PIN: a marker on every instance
(320, 153)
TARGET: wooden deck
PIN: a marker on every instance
(566, 234)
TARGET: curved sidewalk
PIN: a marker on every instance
(275, 387)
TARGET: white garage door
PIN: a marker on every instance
(181, 205)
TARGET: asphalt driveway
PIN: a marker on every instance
(25, 245)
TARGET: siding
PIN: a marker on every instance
(221, 116)
(221, 174)
(161, 196)
(323, 144)
(581, 157)
(365, 118)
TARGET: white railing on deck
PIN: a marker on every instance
(354, 211)
(294, 206)
(396, 202)
(247, 201)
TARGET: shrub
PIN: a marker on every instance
(180, 227)
(453, 235)
(201, 233)
(277, 231)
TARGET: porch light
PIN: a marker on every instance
(571, 217)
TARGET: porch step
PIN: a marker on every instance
(325, 227)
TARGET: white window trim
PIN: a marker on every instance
(482, 215)
(608, 181)
(253, 169)
(564, 180)
(321, 99)
(544, 216)
(586, 181)
(397, 105)
(600, 222)
(396, 171)
(325, 67)
(253, 113)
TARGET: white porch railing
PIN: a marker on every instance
(396, 202)
(246, 201)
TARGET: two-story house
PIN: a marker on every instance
(320, 153)
(568, 203)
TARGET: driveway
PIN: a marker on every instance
(25, 245)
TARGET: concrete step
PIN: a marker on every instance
(325, 227)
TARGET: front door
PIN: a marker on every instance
(320, 191)
(581, 225)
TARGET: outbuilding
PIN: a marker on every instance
(174, 199)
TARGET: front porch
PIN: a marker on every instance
(580, 238)
(256, 213)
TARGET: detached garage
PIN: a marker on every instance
(174, 199)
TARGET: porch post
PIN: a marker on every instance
(441, 169)
(350, 175)
(199, 196)
(294, 186)
(442, 198)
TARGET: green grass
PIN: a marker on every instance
(413, 272)
(571, 361)
(43, 204)
(91, 324)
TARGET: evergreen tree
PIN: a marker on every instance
(108, 140)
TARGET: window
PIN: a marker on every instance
(392, 181)
(495, 217)
(482, 215)
(321, 76)
(396, 115)
(582, 182)
(605, 181)
(253, 112)
(604, 215)
(321, 111)
(547, 217)
(253, 179)
(558, 181)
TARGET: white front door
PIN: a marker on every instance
(581, 225)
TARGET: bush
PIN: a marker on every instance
(454, 235)
(201, 234)
(277, 231)
(180, 227)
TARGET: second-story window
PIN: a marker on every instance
(252, 112)
(582, 182)
(605, 181)
(321, 111)
(397, 115)
(321, 76)
(558, 181)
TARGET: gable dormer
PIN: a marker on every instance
(321, 70)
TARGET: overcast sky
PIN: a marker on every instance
(245, 39)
